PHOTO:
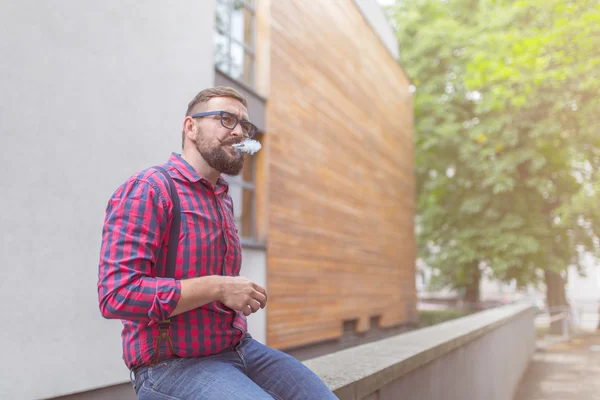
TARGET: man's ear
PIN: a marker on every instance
(189, 128)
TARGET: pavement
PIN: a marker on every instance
(563, 370)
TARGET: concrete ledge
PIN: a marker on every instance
(361, 371)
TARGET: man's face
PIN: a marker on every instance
(214, 141)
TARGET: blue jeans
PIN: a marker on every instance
(248, 371)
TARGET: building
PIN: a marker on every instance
(94, 91)
(583, 293)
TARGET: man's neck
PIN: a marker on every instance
(200, 166)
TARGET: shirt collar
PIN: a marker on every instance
(191, 175)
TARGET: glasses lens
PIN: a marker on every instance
(248, 128)
(228, 120)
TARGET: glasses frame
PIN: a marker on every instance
(250, 135)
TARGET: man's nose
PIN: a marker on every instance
(238, 130)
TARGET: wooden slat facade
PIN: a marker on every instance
(339, 161)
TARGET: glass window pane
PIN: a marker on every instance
(248, 69)
(237, 61)
(221, 52)
(241, 24)
(234, 41)
(223, 8)
(235, 191)
(243, 206)
(241, 64)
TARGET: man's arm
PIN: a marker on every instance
(131, 237)
(136, 218)
(236, 292)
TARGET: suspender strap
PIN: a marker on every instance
(175, 225)
(164, 327)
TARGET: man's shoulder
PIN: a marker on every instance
(148, 180)
(152, 175)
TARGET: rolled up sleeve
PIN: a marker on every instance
(166, 299)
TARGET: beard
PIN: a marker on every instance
(217, 157)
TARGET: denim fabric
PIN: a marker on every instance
(248, 371)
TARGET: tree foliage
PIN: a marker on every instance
(507, 134)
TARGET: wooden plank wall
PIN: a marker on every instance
(341, 193)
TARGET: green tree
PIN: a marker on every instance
(548, 73)
(507, 138)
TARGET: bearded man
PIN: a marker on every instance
(169, 269)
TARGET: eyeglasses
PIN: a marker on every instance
(230, 121)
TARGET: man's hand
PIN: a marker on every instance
(241, 294)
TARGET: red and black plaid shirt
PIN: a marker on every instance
(131, 286)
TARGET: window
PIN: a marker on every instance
(234, 39)
(242, 190)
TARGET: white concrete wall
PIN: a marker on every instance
(91, 91)
(254, 268)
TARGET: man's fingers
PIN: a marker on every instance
(247, 310)
(251, 307)
(261, 298)
(259, 288)
(254, 305)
